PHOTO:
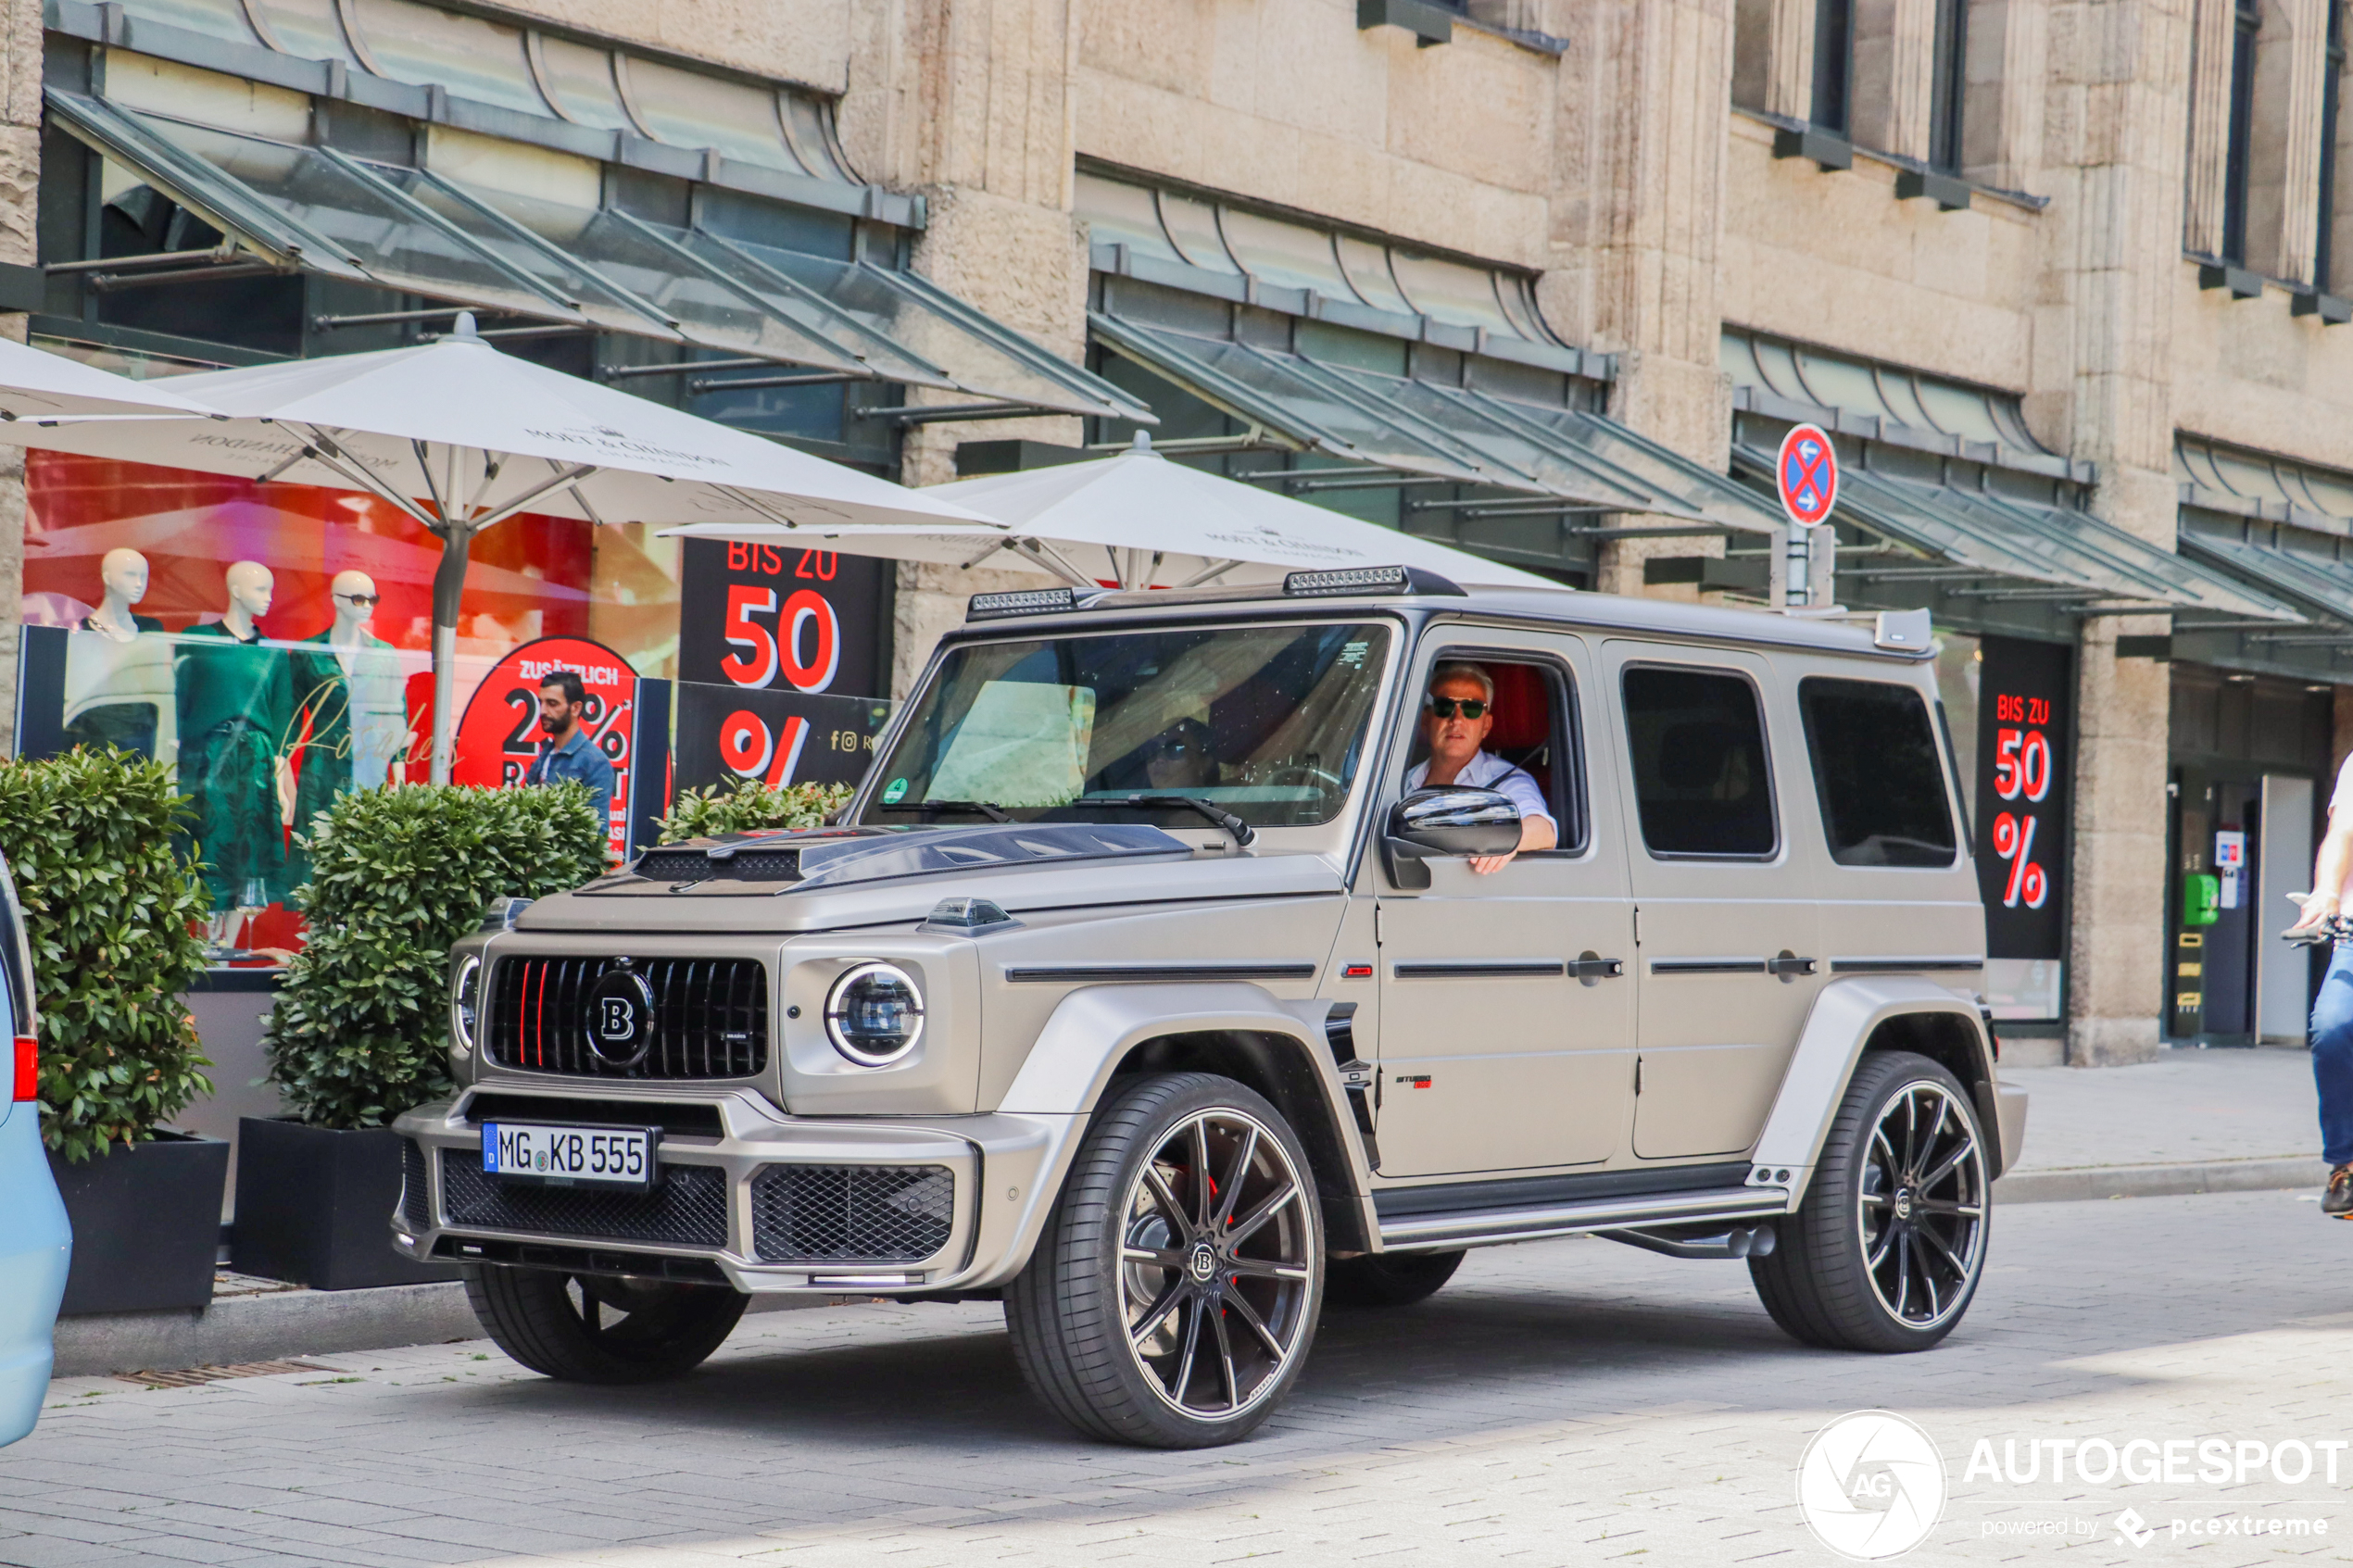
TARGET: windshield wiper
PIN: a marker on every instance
(1240, 831)
(989, 810)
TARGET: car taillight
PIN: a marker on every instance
(28, 1074)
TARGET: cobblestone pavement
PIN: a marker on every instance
(1571, 1402)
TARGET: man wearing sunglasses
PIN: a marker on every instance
(1456, 715)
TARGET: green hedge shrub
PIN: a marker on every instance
(107, 910)
(701, 813)
(361, 1029)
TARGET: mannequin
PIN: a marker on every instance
(236, 711)
(351, 709)
(124, 574)
(118, 687)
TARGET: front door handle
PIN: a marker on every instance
(1590, 968)
(1789, 966)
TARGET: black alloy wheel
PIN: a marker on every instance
(1888, 1247)
(1172, 1299)
(601, 1328)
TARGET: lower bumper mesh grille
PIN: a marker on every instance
(416, 1197)
(851, 1213)
(687, 1207)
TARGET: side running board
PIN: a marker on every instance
(1475, 1227)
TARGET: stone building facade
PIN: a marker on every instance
(2103, 238)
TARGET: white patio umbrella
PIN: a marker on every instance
(459, 436)
(35, 384)
(1138, 521)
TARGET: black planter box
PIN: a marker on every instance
(146, 1224)
(314, 1206)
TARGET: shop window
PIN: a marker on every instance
(1701, 782)
(1877, 776)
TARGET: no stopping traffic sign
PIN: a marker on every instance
(1805, 475)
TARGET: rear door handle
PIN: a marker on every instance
(1788, 965)
(1589, 967)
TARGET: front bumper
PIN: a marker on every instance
(771, 1204)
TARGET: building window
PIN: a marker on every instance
(1948, 84)
(1833, 65)
(2246, 23)
(2324, 251)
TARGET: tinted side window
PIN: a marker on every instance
(1877, 773)
(1700, 777)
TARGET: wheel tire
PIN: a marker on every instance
(1103, 1332)
(556, 1322)
(1389, 1280)
(1875, 1258)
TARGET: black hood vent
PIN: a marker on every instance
(787, 862)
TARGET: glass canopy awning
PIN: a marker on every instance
(1574, 460)
(423, 232)
(2320, 586)
(2067, 558)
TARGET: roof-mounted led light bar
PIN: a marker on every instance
(1024, 601)
(1354, 579)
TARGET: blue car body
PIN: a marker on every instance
(35, 1241)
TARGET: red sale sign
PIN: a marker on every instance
(499, 733)
(782, 619)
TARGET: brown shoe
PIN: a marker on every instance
(2337, 1204)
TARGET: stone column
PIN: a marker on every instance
(2002, 103)
(2291, 71)
(2117, 124)
(20, 197)
(1637, 217)
(971, 102)
(2215, 29)
(1789, 89)
(1895, 60)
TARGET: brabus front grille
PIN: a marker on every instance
(711, 1017)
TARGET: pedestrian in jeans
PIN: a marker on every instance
(2332, 1014)
(568, 756)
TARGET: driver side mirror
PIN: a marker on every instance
(1444, 824)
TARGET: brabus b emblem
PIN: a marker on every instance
(619, 1021)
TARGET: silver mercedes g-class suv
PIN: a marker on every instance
(1148, 985)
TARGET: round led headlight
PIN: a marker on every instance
(874, 1014)
(465, 1005)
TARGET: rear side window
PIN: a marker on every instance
(1877, 774)
(1701, 782)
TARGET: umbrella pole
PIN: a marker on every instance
(449, 583)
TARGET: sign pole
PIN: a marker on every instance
(1805, 478)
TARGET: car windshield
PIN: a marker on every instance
(1266, 722)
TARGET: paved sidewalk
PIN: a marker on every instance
(2192, 1120)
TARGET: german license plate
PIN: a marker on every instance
(610, 1156)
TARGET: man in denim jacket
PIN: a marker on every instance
(568, 756)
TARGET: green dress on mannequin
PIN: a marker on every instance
(236, 715)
